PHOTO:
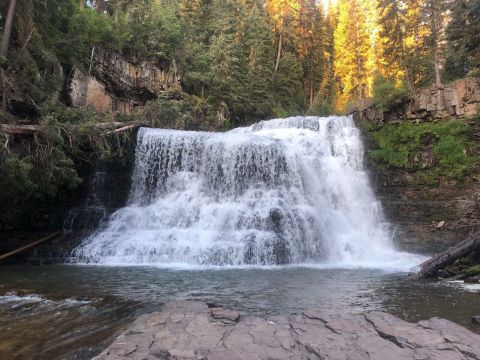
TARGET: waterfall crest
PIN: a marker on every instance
(285, 191)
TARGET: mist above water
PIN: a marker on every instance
(285, 191)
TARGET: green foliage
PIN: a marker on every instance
(463, 45)
(471, 271)
(152, 30)
(42, 173)
(437, 149)
(164, 113)
(17, 178)
(386, 94)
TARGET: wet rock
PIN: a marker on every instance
(472, 279)
(225, 315)
(192, 330)
(476, 319)
(443, 274)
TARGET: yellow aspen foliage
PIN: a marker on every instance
(354, 58)
(282, 13)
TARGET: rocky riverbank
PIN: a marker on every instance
(195, 330)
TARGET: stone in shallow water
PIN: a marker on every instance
(190, 330)
(225, 315)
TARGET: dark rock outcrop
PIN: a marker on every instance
(417, 210)
(187, 330)
(117, 84)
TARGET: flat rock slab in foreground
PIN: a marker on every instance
(188, 330)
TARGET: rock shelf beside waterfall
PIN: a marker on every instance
(193, 330)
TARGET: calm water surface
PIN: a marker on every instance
(72, 312)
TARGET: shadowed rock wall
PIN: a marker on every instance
(120, 85)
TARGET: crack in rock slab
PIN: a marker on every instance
(188, 330)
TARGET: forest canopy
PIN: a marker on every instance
(251, 59)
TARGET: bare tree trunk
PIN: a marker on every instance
(7, 31)
(3, 83)
(436, 65)
(91, 60)
(279, 53)
(430, 267)
(435, 21)
(311, 92)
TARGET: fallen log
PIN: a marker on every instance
(19, 129)
(29, 246)
(33, 129)
(430, 267)
(114, 124)
(122, 129)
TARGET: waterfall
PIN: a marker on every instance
(285, 191)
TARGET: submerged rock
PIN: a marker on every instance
(190, 330)
(225, 315)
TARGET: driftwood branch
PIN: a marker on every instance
(19, 129)
(29, 246)
(25, 44)
(122, 129)
(33, 129)
(430, 267)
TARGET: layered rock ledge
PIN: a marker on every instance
(193, 330)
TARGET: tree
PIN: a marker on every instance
(392, 42)
(352, 48)
(462, 54)
(435, 13)
(7, 30)
(284, 15)
(310, 46)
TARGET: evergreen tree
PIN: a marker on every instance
(462, 55)
(352, 47)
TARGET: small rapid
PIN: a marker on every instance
(284, 191)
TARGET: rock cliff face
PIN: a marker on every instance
(427, 217)
(120, 85)
(460, 98)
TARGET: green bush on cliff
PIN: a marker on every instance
(386, 93)
(41, 172)
(438, 148)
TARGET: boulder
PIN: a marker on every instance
(190, 330)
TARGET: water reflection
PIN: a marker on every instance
(76, 310)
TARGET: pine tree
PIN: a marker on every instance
(258, 40)
(352, 47)
(284, 16)
(309, 43)
(463, 43)
(7, 30)
(435, 17)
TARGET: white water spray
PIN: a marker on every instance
(286, 191)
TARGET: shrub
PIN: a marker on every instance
(386, 93)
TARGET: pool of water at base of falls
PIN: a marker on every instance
(73, 312)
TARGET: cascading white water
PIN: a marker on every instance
(285, 191)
